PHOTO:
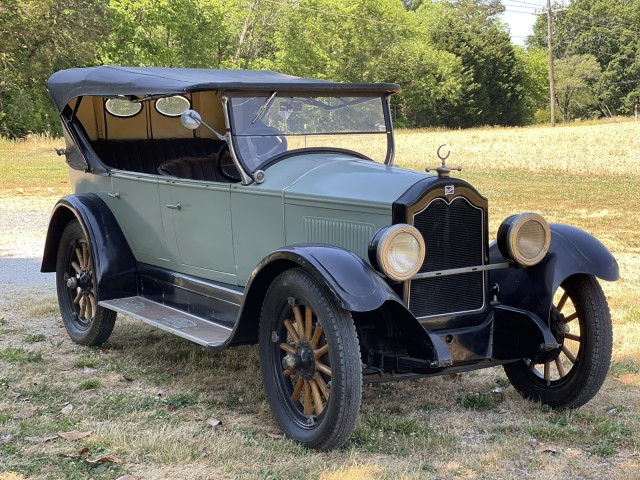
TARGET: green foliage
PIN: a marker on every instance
(608, 31)
(574, 76)
(454, 60)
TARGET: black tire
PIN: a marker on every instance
(313, 419)
(86, 323)
(583, 362)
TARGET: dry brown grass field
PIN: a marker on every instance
(147, 397)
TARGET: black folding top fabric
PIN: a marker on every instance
(65, 85)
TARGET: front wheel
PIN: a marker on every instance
(310, 361)
(86, 322)
(581, 323)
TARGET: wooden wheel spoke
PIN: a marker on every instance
(322, 351)
(94, 305)
(80, 257)
(307, 399)
(83, 306)
(532, 365)
(568, 353)
(547, 371)
(298, 324)
(287, 348)
(317, 401)
(573, 316)
(321, 367)
(288, 373)
(76, 266)
(78, 297)
(322, 385)
(560, 367)
(295, 396)
(292, 331)
(571, 336)
(308, 318)
(88, 312)
(563, 300)
(316, 336)
(85, 255)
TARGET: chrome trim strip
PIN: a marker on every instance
(456, 271)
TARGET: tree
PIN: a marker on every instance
(470, 30)
(574, 76)
(533, 70)
(38, 38)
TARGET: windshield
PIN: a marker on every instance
(267, 126)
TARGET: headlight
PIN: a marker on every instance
(524, 238)
(398, 251)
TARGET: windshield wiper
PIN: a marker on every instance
(264, 107)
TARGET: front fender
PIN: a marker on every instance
(352, 284)
(114, 263)
(572, 251)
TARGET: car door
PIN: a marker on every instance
(134, 201)
(200, 214)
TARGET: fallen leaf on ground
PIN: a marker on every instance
(105, 459)
(48, 469)
(276, 436)
(89, 370)
(192, 416)
(127, 378)
(73, 435)
(214, 422)
(573, 452)
(128, 477)
(67, 409)
(6, 438)
(171, 407)
(24, 415)
(48, 438)
(161, 393)
(544, 448)
(205, 453)
(628, 379)
(14, 394)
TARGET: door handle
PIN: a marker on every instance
(175, 207)
(114, 195)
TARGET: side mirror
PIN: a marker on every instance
(190, 119)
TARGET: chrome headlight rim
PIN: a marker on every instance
(508, 238)
(383, 240)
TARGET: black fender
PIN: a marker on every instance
(348, 280)
(114, 263)
(572, 251)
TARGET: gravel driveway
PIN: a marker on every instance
(23, 227)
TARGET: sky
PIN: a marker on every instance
(519, 16)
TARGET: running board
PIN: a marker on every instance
(170, 319)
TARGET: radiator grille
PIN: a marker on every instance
(453, 235)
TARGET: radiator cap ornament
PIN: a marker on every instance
(443, 170)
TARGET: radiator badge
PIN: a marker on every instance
(449, 189)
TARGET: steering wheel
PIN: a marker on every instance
(225, 165)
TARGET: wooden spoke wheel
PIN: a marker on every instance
(581, 322)
(310, 362)
(85, 321)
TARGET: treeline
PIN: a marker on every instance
(454, 59)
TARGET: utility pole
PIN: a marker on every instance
(552, 86)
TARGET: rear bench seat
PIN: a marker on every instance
(146, 156)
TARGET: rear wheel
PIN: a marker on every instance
(581, 323)
(85, 321)
(310, 361)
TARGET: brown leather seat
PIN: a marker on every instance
(195, 168)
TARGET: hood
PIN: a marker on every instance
(341, 179)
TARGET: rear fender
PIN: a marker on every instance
(572, 251)
(114, 263)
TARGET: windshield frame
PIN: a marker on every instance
(271, 95)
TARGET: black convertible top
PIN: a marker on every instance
(66, 85)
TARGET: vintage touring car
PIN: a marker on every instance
(239, 207)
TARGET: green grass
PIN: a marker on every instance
(34, 338)
(20, 355)
(89, 384)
